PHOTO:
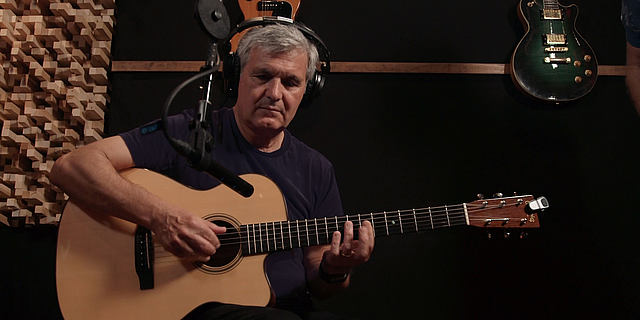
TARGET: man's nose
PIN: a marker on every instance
(274, 89)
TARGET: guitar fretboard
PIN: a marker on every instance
(283, 235)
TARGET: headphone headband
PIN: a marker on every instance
(232, 65)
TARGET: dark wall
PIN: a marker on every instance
(402, 141)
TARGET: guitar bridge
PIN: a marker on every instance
(143, 250)
(551, 39)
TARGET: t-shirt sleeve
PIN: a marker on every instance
(148, 146)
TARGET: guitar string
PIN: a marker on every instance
(168, 257)
(161, 253)
(437, 221)
(377, 220)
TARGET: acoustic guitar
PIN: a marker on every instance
(260, 8)
(552, 62)
(108, 268)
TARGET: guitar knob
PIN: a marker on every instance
(578, 79)
(587, 58)
(577, 63)
(480, 196)
(588, 73)
(498, 195)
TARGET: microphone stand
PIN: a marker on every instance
(215, 21)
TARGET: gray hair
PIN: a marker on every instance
(275, 39)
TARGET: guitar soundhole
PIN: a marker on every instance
(229, 253)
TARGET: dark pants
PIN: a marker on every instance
(213, 310)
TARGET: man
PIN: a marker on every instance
(631, 22)
(276, 62)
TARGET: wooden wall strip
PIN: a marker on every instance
(354, 67)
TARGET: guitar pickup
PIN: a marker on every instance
(551, 39)
(556, 49)
(557, 60)
(552, 14)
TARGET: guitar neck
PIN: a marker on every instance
(283, 235)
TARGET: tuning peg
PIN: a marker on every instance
(507, 235)
(515, 193)
(498, 195)
(523, 235)
(480, 196)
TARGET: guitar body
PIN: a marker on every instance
(260, 8)
(552, 62)
(95, 265)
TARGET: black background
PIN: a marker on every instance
(401, 141)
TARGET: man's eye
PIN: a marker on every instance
(292, 83)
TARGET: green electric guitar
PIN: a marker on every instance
(552, 62)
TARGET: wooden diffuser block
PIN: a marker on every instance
(55, 58)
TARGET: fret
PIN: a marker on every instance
(415, 220)
(315, 221)
(337, 229)
(431, 218)
(326, 228)
(282, 235)
(275, 244)
(400, 220)
(359, 221)
(290, 237)
(247, 247)
(298, 230)
(266, 231)
(255, 246)
(446, 210)
(306, 228)
(373, 224)
(260, 233)
(386, 223)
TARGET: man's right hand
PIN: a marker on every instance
(187, 236)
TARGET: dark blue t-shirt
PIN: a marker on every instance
(305, 177)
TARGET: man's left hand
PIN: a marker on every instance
(342, 257)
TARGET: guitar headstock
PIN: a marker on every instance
(516, 212)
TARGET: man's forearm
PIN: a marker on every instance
(91, 180)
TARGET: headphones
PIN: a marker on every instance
(231, 61)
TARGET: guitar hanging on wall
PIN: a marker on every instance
(108, 268)
(260, 8)
(552, 62)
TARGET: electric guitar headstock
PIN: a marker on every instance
(261, 8)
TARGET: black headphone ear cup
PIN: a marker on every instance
(314, 86)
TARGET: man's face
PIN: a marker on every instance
(270, 90)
